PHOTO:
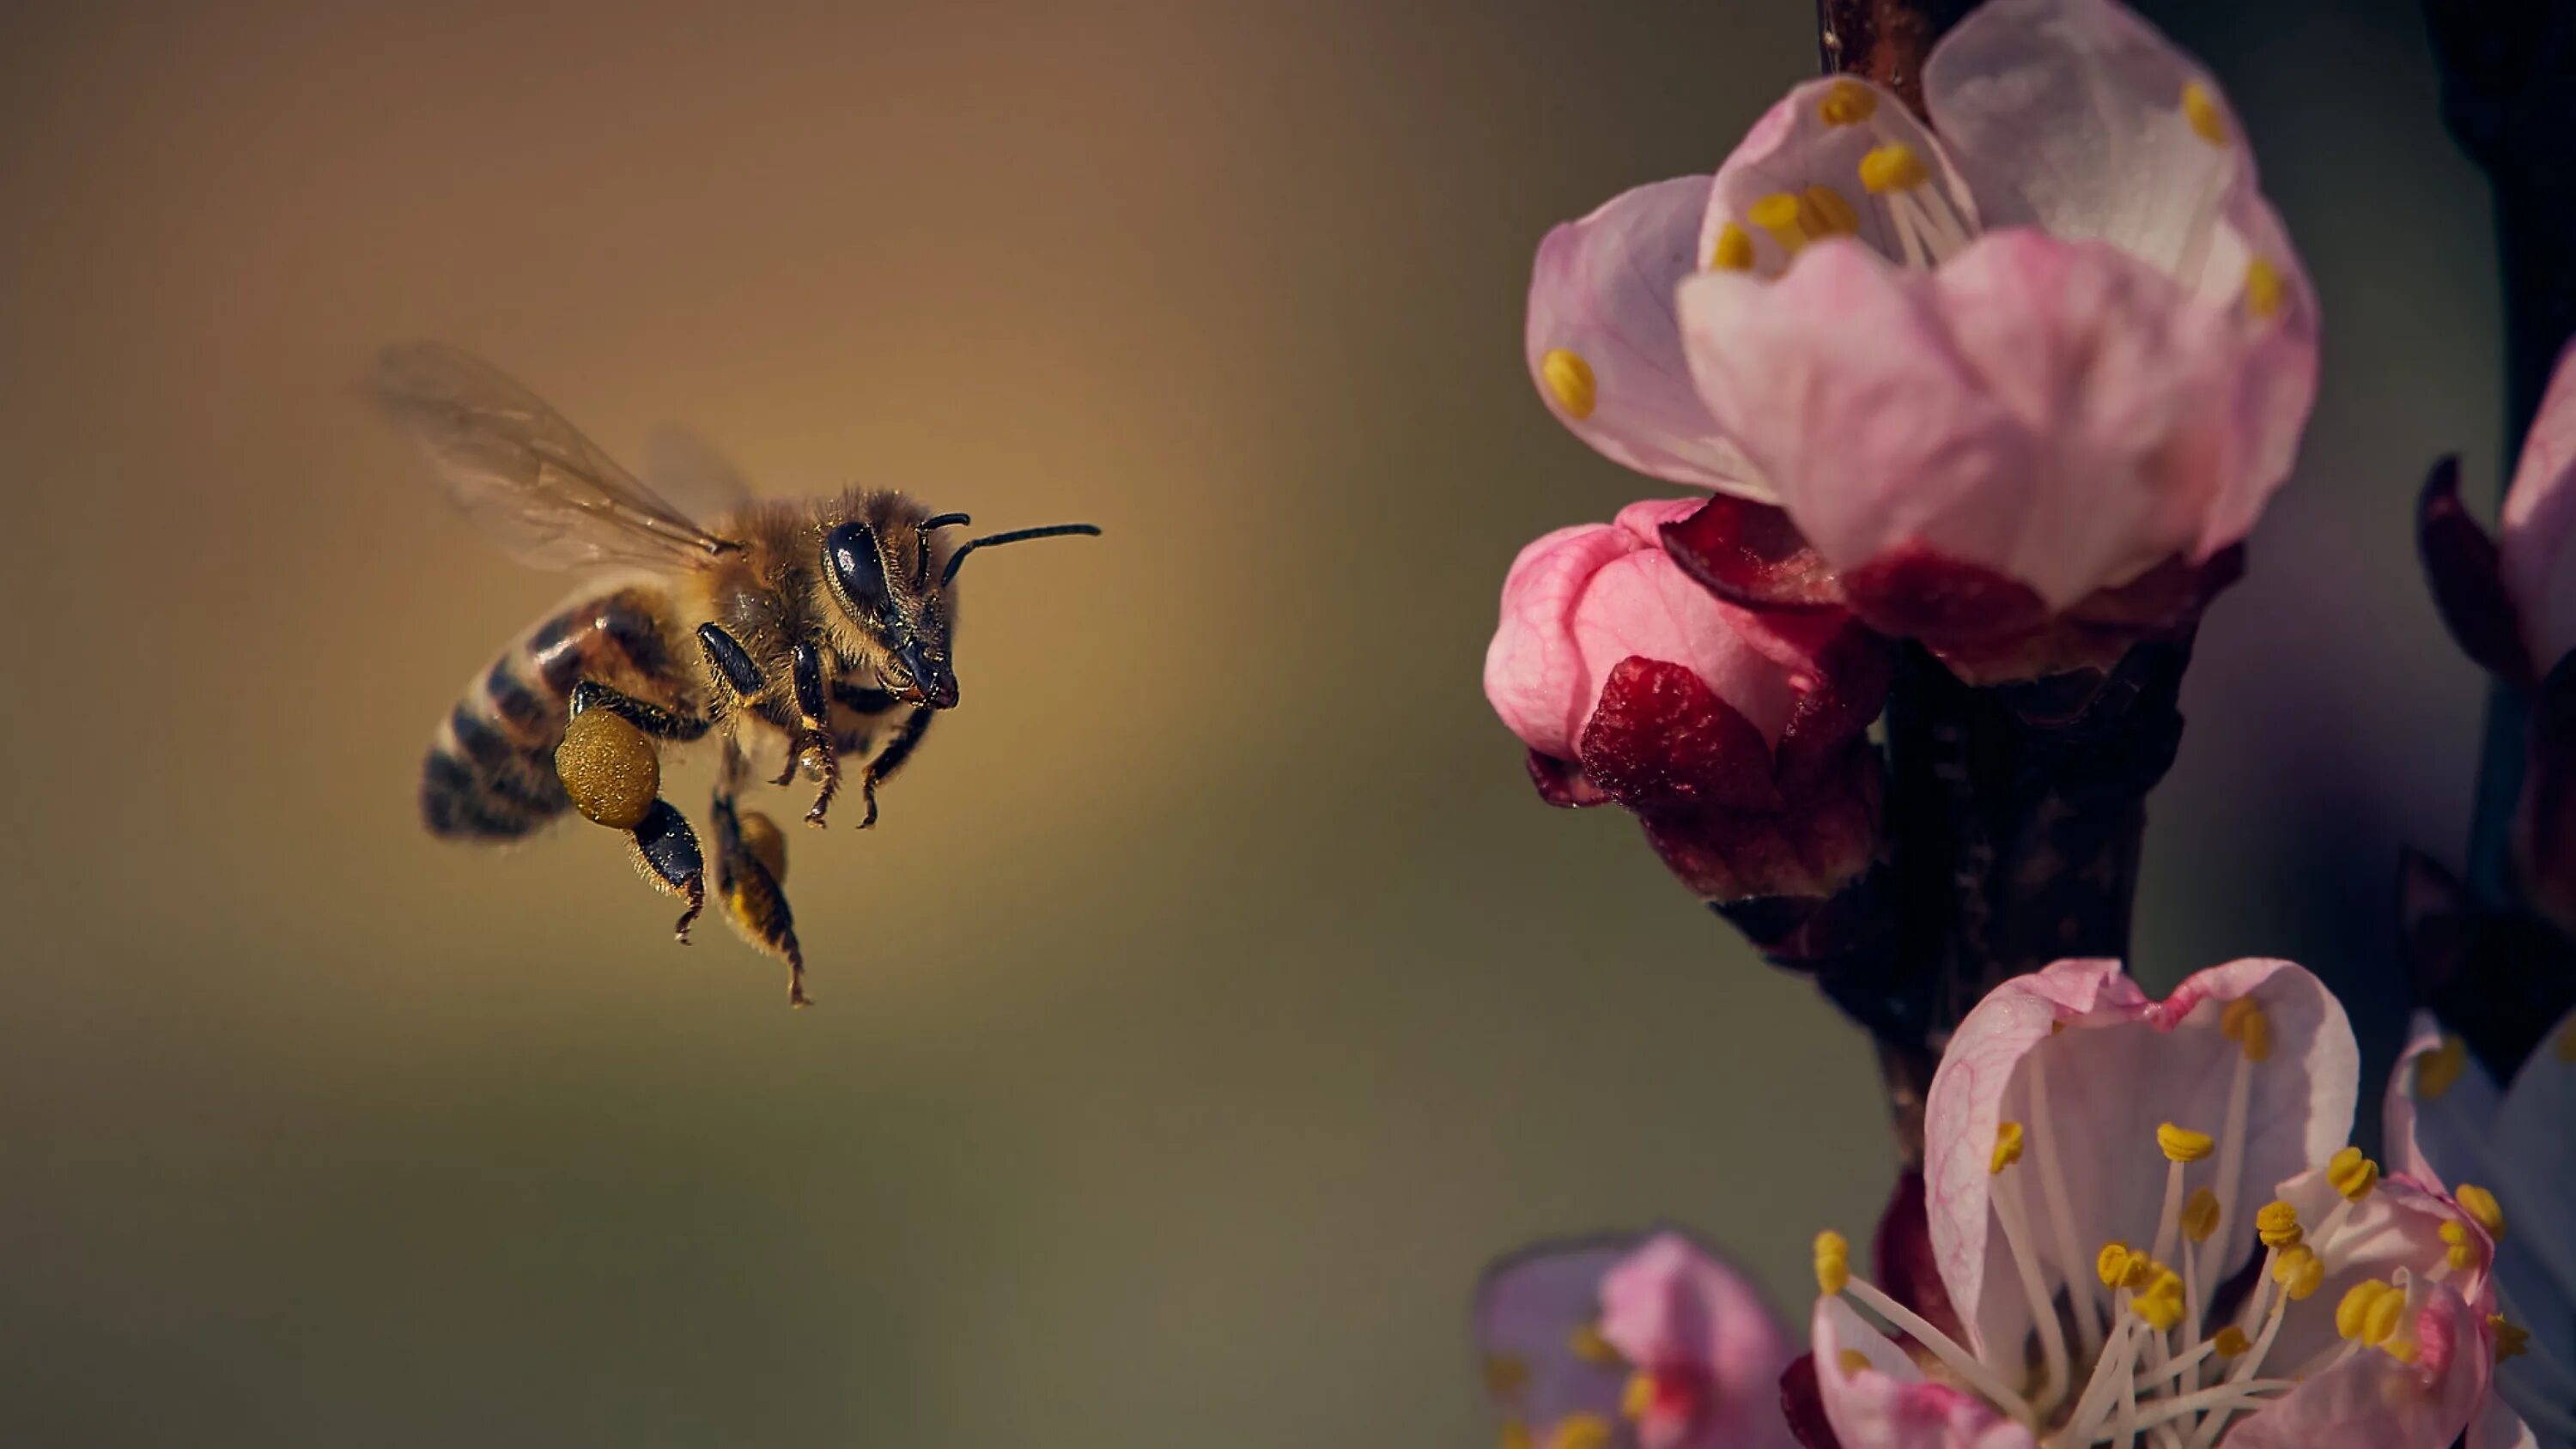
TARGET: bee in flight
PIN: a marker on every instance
(801, 635)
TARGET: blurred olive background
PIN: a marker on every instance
(1214, 998)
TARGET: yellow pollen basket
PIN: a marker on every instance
(2481, 1204)
(2299, 1271)
(2181, 1144)
(2231, 1341)
(2510, 1339)
(1847, 103)
(2200, 108)
(1581, 1431)
(2200, 1215)
(2263, 291)
(1734, 250)
(2277, 1224)
(2007, 1147)
(1569, 378)
(1833, 1262)
(1892, 167)
(2352, 1174)
(1586, 1343)
(2437, 1069)
(1506, 1374)
(1823, 212)
(2243, 1022)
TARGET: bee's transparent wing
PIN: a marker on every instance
(528, 478)
(688, 470)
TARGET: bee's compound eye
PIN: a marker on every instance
(851, 553)
(760, 836)
(608, 768)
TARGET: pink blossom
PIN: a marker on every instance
(1735, 735)
(2049, 347)
(2099, 1167)
(2539, 524)
(2513, 1153)
(1631, 1343)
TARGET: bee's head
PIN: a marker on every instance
(884, 572)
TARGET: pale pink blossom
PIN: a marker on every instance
(2050, 345)
(2511, 1153)
(2099, 1167)
(1631, 1343)
(2536, 535)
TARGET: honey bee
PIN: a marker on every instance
(799, 635)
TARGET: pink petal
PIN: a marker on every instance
(1672, 1306)
(2397, 1227)
(2058, 413)
(1602, 290)
(2533, 1174)
(2497, 1426)
(2120, 1066)
(2372, 1401)
(1886, 1403)
(2437, 1141)
(1529, 1310)
(1794, 148)
(2069, 113)
(2539, 514)
(1534, 672)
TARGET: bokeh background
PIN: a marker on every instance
(1214, 998)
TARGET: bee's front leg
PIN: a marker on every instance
(891, 758)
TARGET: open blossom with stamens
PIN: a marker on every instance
(2100, 1167)
(2509, 1158)
(2020, 380)
(1736, 737)
(1630, 1343)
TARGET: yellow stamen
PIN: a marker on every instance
(1892, 167)
(2511, 1339)
(2243, 1021)
(1506, 1374)
(1833, 1262)
(1569, 377)
(2354, 1310)
(1847, 103)
(2262, 289)
(2352, 1174)
(2437, 1069)
(1516, 1435)
(2007, 1146)
(1638, 1396)
(1778, 215)
(1581, 1431)
(2181, 1144)
(2161, 1302)
(2112, 1265)
(2299, 1271)
(2481, 1204)
(2200, 107)
(2460, 1254)
(2200, 1215)
(2277, 1224)
(1853, 1360)
(2386, 1312)
(1823, 212)
(1586, 1343)
(2231, 1341)
(1734, 250)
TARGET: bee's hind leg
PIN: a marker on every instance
(610, 765)
(751, 861)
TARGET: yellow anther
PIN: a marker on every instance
(2112, 1265)
(1569, 377)
(1853, 1360)
(1506, 1374)
(1823, 212)
(1638, 1396)
(1892, 167)
(2200, 1215)
(2181, 1144)
(1833, 1262)
(2161, 1302)
(2200, 107)
(1847, 103)
(2437, 1069)
(1586, 1343)
(2481, 1204)
(2460, 1253)
(1778, 214)
(1516, 1435)
(2352, 1174)
(2401, 1349)
(1581, 1431)
(2366, 1307)
(2007, 1146)
(2511, 1339)
(1734, 250)
(2387, 1311)
(2262, 289)
(2231, 1341)
(2299, 1271)
(2277, 1224)
(2244, 1022)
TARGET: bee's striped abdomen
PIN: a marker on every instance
(490, 774)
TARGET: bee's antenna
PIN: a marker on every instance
(1021, 535)
(923, 530)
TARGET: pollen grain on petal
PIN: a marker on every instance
(2481, 1205)
(1734, 250)
(2200, 108)
(1847, 103)
(2181, 1144)
(2007, 1146)
(1892, 167)
(1569, 380)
